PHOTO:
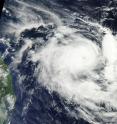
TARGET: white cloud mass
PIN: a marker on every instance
(82, 72)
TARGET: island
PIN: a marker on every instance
(7, 97)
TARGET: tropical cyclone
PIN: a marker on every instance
(80, 71)
(69, 62)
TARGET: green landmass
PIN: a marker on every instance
(7, 97)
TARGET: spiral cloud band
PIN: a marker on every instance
(82, 72)
(76, 58)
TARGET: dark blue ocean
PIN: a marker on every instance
(34, 20)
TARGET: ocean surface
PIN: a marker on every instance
(62, 57)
